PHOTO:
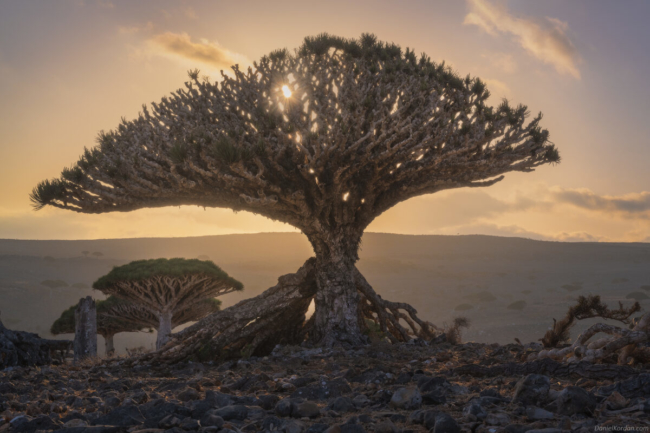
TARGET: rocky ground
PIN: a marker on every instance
(415, 387)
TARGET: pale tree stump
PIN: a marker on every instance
(85, 334)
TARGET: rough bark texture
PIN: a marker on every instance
(325, 139)
(18, 348)
(85, 335)
(336, 317)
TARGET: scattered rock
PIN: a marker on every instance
(538, 414)
(406, 398)
(573, 400)
(531, 389)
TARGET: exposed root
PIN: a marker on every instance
(277, 316)
(387, 314)
(585, 308)
(619, 343)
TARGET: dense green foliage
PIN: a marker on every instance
(141, 270)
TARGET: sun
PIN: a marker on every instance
(286, 91)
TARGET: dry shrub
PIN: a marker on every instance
(453, 333)
(586, 308)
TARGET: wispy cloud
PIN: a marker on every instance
(635, 205)
(545, 39)
(180, 45)
(498, 88)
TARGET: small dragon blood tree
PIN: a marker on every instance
(107, 326)
(115, 315)
(325, 139)
(167, 287)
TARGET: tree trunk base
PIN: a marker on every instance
(278, 316)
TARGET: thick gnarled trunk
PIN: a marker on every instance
(164, 329)
(336, 318)
(337, 315)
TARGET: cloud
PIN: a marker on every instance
(180, 46)
(629, 205)
(498, 88)
(579, 237)
(546, 39)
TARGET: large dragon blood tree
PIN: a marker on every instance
(116, 315)
(167, 287)
(325, 138)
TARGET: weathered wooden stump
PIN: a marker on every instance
(85, 334)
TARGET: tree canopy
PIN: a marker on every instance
(141, 270)
(334, 133)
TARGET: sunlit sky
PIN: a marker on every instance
(71, 68)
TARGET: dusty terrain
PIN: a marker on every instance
(414, 387)
(508, 287)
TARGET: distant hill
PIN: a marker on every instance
(481, 274)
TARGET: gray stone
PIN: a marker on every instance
(531, 389)
(361, 400)
(210, 419)
(343, 405)
(538, 414)
(497, 419)
(475, 412)
(188, 394)
(573, 400)
(385, 427)
(305, 409)
(238, 412)
(284, 407)
(294, 426)
(440, 422)
(406, 398)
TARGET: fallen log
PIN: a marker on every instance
(22, 349)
